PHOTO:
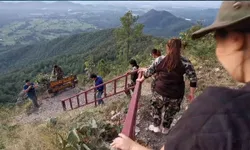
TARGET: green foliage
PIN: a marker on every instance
(92, 135)
(66, 48)
(78, 53)
(128, 33)
(89, 64)
(103, 68)
(83, 80)
(202, 48)
(43, 81)
(35, 30)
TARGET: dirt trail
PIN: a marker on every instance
(144, 119)
(52, 107)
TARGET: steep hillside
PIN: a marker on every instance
(80, 43)
(163, 23)
(71, 53)
(39, 134)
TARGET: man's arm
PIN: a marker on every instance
(27, 89)
(150, 71)
(152, 68)
(190, 73)
(35, 85)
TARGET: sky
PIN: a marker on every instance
(212, 4)
(204, 4)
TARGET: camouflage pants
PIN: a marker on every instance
(153, 85)
(164, 109)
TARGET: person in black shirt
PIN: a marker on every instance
(169, 86)
(134, 75)
(218, 119)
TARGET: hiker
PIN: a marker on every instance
(29, 88)
(57, 71)
(134, 75)
(218, 119)
(169, 87)
(155, 54)
(98, 81)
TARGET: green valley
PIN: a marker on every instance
(35, 30)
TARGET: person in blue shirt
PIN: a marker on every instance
(29, 89)
(98, 80)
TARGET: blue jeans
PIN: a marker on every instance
(33, 98)
(98, 96)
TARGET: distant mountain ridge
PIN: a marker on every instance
(40, 5)
(163, 23)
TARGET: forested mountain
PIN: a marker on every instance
(80, 43)
(163, 23)
(26, 23)
(99, 50)
(71, 53)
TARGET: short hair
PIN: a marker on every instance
(92, 76)
(26, 81)
(133, 62)
(55, 66)
(156, 52)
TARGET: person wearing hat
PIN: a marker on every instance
(218, 119)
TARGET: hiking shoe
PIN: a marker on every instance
(164, 130)
(154, 129)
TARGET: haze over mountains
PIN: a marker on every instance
(35, 35)
(29, 22)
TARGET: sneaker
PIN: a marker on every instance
(164, 130)
(154, 129)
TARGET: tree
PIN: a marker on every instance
(103, 68)
(90, 65)
(128, 33)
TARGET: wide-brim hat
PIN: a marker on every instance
(230, 13)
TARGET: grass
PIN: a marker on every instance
(40, 136)
(43, 135)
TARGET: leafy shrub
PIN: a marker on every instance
(90, 136)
